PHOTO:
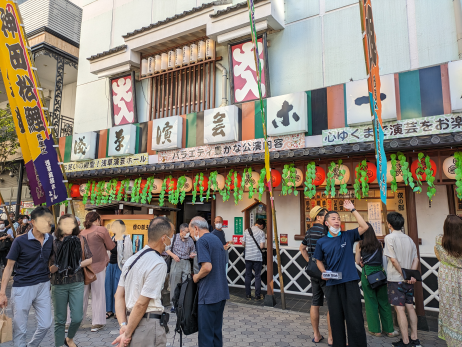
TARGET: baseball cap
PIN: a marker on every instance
(315, 211)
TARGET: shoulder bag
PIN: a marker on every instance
(264, 253)
(376, 279)
(312, 268)
(88, 272)
(169, 258)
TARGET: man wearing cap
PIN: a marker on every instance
(307, 248)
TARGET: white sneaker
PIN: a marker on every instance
(95, 328)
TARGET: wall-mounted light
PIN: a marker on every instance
(193, 54)
(144, 67)
(157, 63)
(209, 49)
(201, 51)
(186, 55)
(178, 57)
(164, 62)
(171, 60)
(150, 66)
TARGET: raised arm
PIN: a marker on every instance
(362, 223)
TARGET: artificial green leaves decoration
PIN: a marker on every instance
(431, 189)
(213, 184)
(226, 191)
(361, 184)
(261, 183)
(289, 179)
(87, 192)
(393, 184)
(419, 172)
(194, 190)
(201, 187)
(341, 177)
(407, 175)
(238, 189)
(458, 172)
(330, 180)
(180, 188)
(162, 192)
(310, 188)
(248, 177)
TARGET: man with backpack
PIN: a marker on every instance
(6, 239)
(212, 283)
(253, 242)
(318, 285)
(138, 304)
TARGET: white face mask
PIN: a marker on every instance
(2, 226)
(25, 220)
(333, 230)
(197, 237)
(186, 236)
(171, 240)
(218, 225)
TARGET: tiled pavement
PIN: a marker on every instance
(244, 325)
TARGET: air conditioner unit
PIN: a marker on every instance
(209, 49)
(178, 57)
(150, 66)
(157, 63)
(171, 60)
(144, 67)
(201, 51)
(186, 55)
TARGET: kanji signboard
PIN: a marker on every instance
(167, 133)
(122, 140)
(108, 163)
(287, 114)
(43, 171)
(83, 146)
(233, 148)
(221, 124)
(238, 225)
(123, 103)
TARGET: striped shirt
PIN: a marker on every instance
(316, 232)
(251, 250)
(182, 248)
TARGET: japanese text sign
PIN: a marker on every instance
(237, 239)
(238, 225)
(233, 148)
(122, 140)
(43, 171)
(244, 75)
(84, 146)
(167, 133)
(108, 163)
(221, 124)
(123, 100)
(137, 229)
(287, 114)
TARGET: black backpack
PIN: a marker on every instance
(5, 245)
(185, 302)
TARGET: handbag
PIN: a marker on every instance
(88, 272)
(407, 274)
(6, 327)
(169, 259)
(312, 268)
(264, 253)
(378, 278)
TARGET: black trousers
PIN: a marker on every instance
(3, 259)
(211, 324)
(256, 266)
(344, 302)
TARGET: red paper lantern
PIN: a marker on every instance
(276, 178)
(415, 164)
(205, 183)
(118, 185)
(167, 184)
(75, 191)
(320, 176)
(371, 172)
(142, 185)
(239, 181)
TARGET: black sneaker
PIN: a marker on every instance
(415, 343)
(249, 297)
(260, 297)
(400, 343)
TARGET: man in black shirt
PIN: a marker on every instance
(317, 285)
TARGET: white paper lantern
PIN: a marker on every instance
(157, 63)
(156, 186)
(201, 51)
(449, 168)
(251, 179)
(193, 54)
(209, 49)
(188, 185)
(178, 57)
(186, 55)
(130, 186)
(399, 172)
(164, 62)
(151, 66)
(346, 177)
(220, 181)
(144, 67)
(171, 60)
(298, 178)
(83, 190)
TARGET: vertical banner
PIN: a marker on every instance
(373, 81)
(36, 142)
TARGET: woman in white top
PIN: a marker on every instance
(118, 256)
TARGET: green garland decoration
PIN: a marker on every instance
(201, 187)
(310, 176)
(458, 172)
(87, 191)
(393, 184)
(162, 192)
(127, 185)
(194, 192)
(419, 172)
(251, 188)
(113, 186)
(99, 192)
(213, 184)
(431, 189)
(226, 191)
(343, 185)
(144, 192)
(289, 179)
(119, 193)
(407, 175)
(330, 180)
(236, 189)
(93, 192)
(150, 183)
(261, 183)
(180, 187)
(361, 185)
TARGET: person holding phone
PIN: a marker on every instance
(402, 253)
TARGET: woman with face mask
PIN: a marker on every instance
(343, 295)
(67, 277)
(117, 258)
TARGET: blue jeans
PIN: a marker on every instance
(211, 324)
(255, 266)
(110, 285)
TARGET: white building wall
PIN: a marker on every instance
(68, 101)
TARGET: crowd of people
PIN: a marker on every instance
(58, 266)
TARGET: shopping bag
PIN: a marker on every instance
(6, 327)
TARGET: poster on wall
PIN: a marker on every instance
(243, 81)
(136, 228)
(287, 114)
(123, 99)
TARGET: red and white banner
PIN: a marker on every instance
(123, 100)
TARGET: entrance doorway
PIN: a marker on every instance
(189, 211)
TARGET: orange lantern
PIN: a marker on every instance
(75, 191)
(276, 178)
(320, 176)
(239, 181)
(371, 172)
(415, 165)
(205, 183)
(142, 185)
(167, 184)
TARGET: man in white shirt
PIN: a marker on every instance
(402, 254)
(138, 298)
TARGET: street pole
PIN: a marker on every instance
(18, 196)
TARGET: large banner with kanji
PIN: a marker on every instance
(20, 82)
